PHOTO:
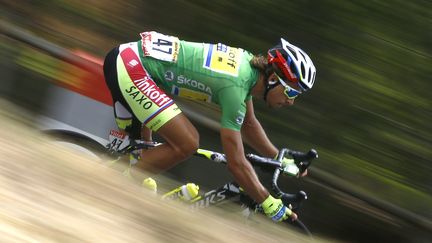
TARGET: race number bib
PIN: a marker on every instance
(160, 46)
(222, 59)
(118, 140)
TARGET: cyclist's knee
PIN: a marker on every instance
(181, 136)
(187, 146)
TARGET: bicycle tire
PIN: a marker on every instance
(77, 142)
(300, 226)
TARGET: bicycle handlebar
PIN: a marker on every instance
(301, 159)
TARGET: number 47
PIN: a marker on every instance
(164, 46)
(115, 144)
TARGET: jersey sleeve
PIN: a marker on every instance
(233, 108)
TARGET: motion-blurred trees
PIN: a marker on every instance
(370, 112)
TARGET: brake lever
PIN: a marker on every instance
(294, 201)
(303, 160)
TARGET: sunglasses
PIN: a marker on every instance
(291, 93)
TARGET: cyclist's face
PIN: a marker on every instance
(276, 97)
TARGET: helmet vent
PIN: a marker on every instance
(304, 57)
(292, 51)
(303, 71)
(294, 69)
(309, 75)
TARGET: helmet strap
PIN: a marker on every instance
(270, 69)
(270, 85)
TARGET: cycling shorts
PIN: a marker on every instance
(134, 91)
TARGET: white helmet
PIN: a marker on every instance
(293, 64)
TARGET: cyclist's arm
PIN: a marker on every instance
(254, 135)
(238, 165)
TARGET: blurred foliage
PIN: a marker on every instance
(369, 114)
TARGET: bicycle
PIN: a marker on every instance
(120, 145)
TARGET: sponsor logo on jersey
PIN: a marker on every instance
(222, 59)
(150, 93)
(169, 75)
(190, 94)
(193, 83)
(139, 98)
(145, 38)
(133, 63)
(222, 47)
(240, 118)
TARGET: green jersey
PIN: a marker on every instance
(213, 73)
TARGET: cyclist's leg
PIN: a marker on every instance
(181, 141)
(155, 110)
(124, 117)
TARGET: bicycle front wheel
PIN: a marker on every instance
(300, 226)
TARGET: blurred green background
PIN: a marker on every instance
(369, 113)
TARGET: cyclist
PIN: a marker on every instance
(141, 74)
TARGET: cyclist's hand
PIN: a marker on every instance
(293, 216)
(303, 174)
(276, 210)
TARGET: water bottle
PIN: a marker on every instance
(185, 192)
(150, 184)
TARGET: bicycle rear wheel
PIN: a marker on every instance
(77, 142)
